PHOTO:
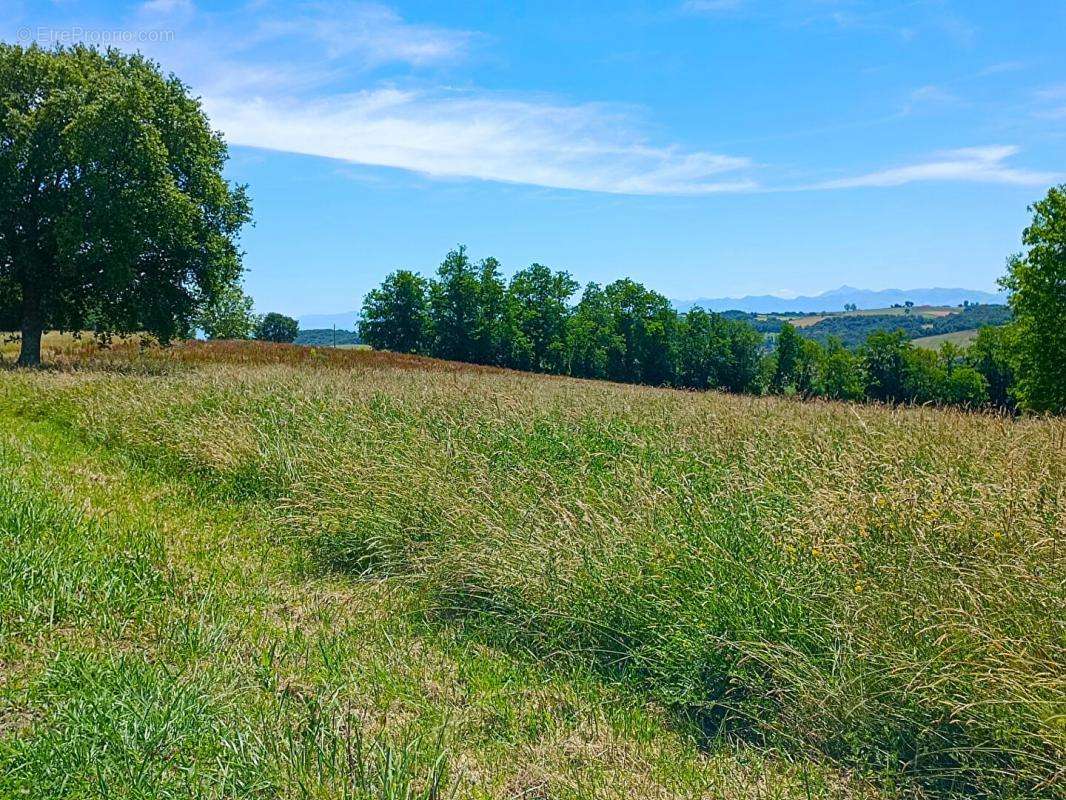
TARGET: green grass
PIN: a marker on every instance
(569, 588)
(160, 639)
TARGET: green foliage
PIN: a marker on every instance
(591, 337)
(966, 387)
(626, 332)
(115, 214)
(844, 376)
(274, 327)
(993, 354)
(454, 305)
(789, 354)
(490, 332)
(1036, 281)
(884, 356)
(228, 315)
(645, 324)
(539, 305)
(396, 315)
(326, 337)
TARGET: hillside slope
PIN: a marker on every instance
(874, 595)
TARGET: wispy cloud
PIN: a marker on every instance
(376, 34)
(589, 147)
(711, 6)
(930, 96)
(972, 164)
(360, 84)
(1001, 68)
(361, 35)
(1050, 102)
(310, 82)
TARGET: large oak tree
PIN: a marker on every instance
(114, 214)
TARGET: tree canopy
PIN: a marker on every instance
(1036, 280)
(227, 315)
(626, 332)
(114, 214)
(275, 327)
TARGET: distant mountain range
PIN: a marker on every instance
(835, 300)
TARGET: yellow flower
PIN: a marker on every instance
(858, 587)
(997, 535)
(816, 551)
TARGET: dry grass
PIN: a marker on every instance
(961, 338)
(883, 588)
(66, 351)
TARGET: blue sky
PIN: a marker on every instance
(704, 147)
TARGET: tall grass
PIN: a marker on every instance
(885, 587)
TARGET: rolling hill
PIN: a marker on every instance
(237, 569)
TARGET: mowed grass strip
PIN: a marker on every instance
(161, 640)
(884, 587)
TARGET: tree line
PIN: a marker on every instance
(626, 332)
(116, 217)
(229, 315)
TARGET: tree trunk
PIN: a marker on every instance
(32, 328)
(30, 353)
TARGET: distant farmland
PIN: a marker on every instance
(852, 327)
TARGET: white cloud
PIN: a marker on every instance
(973, 164)
(587, 147)
(357, 36)
(335, 81)
(374, 33)
(932, 95)
(309, 79)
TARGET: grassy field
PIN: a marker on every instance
(926, 312)
(266, 571)
(960, 338)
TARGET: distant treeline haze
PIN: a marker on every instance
(626, 332)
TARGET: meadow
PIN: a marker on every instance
(239, 569)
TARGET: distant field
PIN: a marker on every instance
(241, 569)
(919, 322)
(806, 320)
(960, 338)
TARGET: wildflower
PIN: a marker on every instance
(816, 551)
(997, 535)
(858, 587)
